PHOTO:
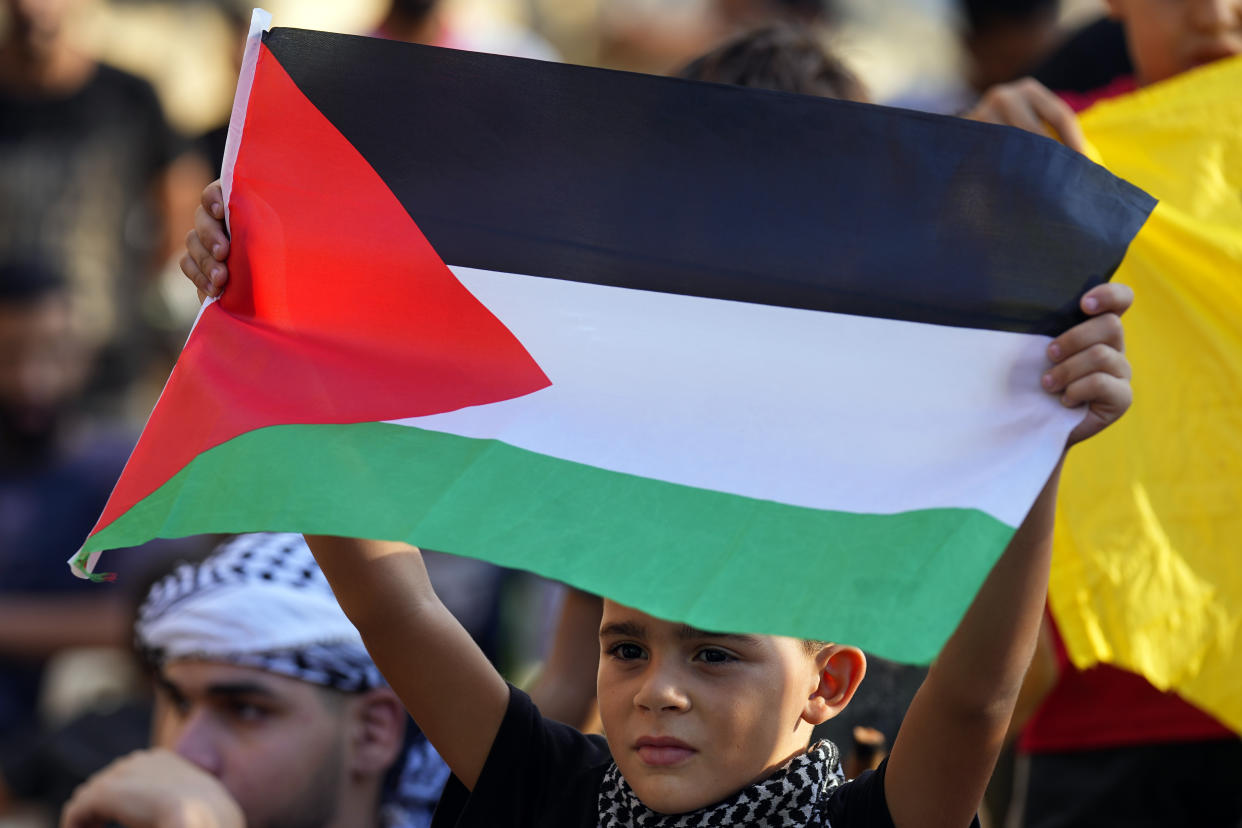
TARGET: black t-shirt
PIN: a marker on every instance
(544, 774)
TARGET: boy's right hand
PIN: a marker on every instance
(1028, 104)
(207, 245)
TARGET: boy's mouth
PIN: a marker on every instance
(662, 751)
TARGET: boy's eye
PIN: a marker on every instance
(626, 651)
(713, 655)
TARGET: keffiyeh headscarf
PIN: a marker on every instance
(257, 601)
(794, 797)
(261, 601)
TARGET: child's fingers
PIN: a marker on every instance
(190, 268)
(1104, 329)
(211, 233)
(209, 247)
(1110, 297)
(199, 265)
(1107, 398)
(213, 199)
(1090, 366)
(190, 264)
(1103, 392)
(1098, 358)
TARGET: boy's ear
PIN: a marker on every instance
(841, 669)
(378, 722)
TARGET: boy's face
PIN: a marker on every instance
(693, 717)
(1168, 37)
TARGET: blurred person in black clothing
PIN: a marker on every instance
(56, 472)
(1009, 39)
(1005, 39)
(84, 151)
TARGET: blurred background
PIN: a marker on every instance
(905, 50)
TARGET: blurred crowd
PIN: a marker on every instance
(112, 121)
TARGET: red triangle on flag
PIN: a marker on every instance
(338, 310)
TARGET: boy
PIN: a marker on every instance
(707, 728)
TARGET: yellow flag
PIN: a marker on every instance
(1147, 571)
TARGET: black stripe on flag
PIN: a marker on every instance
(662, 184)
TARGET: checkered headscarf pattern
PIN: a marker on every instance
(278, 559)
(260, 601)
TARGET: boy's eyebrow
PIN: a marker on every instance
(623, 629)
(685, 631)
(632, 629)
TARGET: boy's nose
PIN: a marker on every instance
(660, 691)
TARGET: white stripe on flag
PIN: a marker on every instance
(801, 407)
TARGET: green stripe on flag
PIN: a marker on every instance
(895, 585)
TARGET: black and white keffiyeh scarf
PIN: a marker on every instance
(795, 796)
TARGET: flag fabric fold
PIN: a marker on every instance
(1146, 571)
(750, 360)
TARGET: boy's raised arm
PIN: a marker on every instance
(948, 743)
(441, 676)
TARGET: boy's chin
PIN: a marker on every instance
(676, 793)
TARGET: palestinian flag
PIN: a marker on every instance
(750, 360)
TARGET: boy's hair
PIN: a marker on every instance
(812, 646)
(781, 57)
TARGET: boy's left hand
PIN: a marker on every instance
(1089, 364)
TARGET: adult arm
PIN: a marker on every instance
(439, 673)
(565, 687)
(948, 743)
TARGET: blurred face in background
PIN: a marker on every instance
(43, 365)
(1168, 37)
(276, 743)
(37, 24)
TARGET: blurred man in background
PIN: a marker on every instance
(262, 683)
